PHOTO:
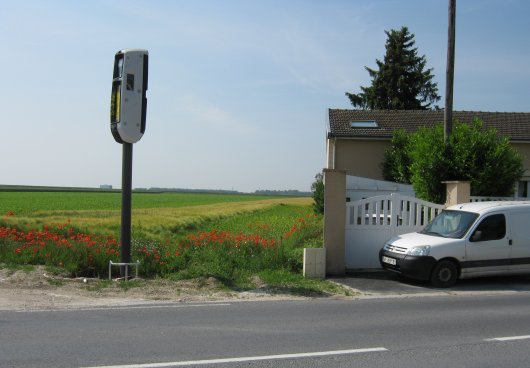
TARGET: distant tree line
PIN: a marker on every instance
(183, 190)
(290, 192)
(31, 188)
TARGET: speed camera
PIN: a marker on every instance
(128, 99)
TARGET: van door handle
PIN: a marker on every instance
(510, 241)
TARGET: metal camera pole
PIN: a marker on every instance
(126, 194)
(128, 108)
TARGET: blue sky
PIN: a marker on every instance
(238, 90)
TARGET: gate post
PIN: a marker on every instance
(457, 192)
(335, 220)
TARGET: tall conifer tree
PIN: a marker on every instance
(402, 81)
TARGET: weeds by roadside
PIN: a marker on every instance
(267, 244)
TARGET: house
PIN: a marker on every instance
(356, 142)
(357, 139)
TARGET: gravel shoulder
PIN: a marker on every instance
(39, 290)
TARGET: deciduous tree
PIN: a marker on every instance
(472, 154)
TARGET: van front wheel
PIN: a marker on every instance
(444, 274)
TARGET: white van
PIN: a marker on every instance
(463, 241)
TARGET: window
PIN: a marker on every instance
(130, 82)
(522, 190)
(364, 124)
(491, 228)
(451, 224)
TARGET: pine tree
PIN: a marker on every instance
(401, 82)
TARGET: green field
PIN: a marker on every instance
(156, 216)
(26, 203)
(178, 235)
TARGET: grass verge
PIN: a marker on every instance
(235, 243)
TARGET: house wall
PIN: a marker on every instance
(364, 157)
(359, 157)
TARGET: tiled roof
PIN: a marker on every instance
(515, 125)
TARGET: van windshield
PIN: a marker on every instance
(450, 224)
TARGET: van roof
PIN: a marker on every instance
(488, 206)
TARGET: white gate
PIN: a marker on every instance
(371, 222)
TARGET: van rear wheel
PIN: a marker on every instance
(444, 274)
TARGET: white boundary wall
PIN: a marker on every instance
(358, 188)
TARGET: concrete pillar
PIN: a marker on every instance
(457, 192)
(335, 220)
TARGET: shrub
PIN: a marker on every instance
(487, 160)
(317, 190)
(472, 154)
(396, 166)
(429, 164)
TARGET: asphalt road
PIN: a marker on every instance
(414, 331)
(384, 283)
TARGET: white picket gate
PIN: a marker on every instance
(371, 222)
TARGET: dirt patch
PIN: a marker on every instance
(39, 289)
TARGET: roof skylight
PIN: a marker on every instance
(364, 124)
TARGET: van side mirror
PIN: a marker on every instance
(477, 236)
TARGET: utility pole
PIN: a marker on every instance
(449, 75)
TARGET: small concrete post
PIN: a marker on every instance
(315, 262)
(457, 192)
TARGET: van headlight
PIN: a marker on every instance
(422, 250)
